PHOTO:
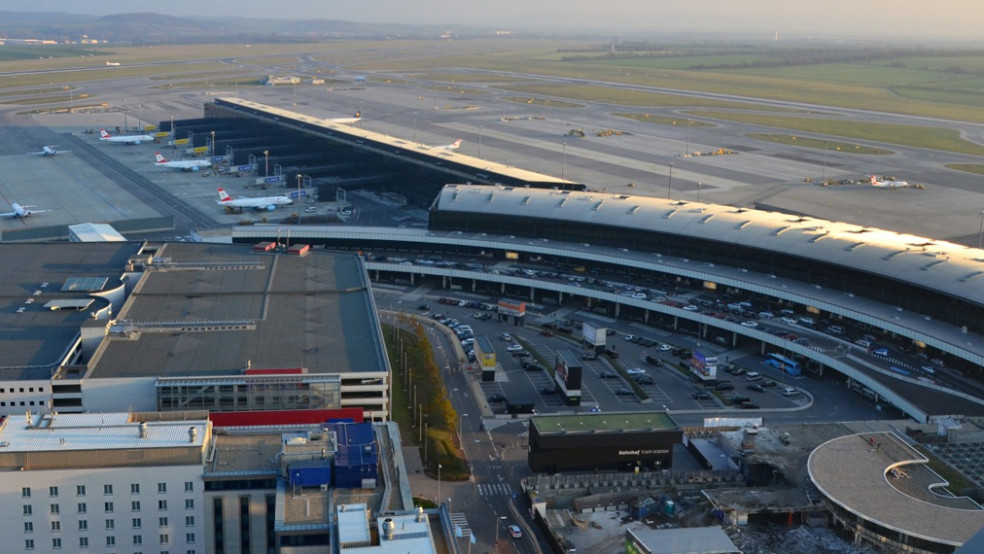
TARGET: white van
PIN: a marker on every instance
(790, 391)
(752, 376)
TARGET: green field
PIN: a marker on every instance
(665, 120)
(821, 144)
(977, 169)
(532, 101)
(933, 138)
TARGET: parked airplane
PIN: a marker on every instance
(48, 151)
(21, 211)
(453, 146)
(126, 139)
(113, 64)
(888, 183)
(347, 120)
(268, 203)
(183, 165)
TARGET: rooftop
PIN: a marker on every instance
(705, 540)
(212, 310)
(869, 492)
(102, 432)
(604, 422)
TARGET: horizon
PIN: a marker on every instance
(899, 20)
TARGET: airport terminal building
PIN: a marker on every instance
(102, 327)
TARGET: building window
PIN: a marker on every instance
(27, 509)
(107, 489)
(55, 526)
(83, 542)
(28, 544)
(162, 505)
(80, 490)
(189, 504)
(190, 538)
(136, 523)
(134, 488)
(161, 488)
(56, 542)
(189, 521)
(25, 492)
(28, 527)
(53, 491)
(164, 538)
(110, 524)
(110, 541)
(162, 522)
(54, 509)
(108, 507)
(137, 540)
(83, 525)
(135, 506)
(189, 486)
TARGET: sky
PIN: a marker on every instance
(901, 19)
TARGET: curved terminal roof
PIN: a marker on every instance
(902, 503)
(933, 264)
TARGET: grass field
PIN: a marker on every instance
(37, 100)
(83, 75)
(458, 90)
(821, 144)
(977, 169)
(933, 138)
(664, 120)
(625, 97)
(546, 102)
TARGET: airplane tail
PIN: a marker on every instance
(358, 114)
(224, 196)
(160, 159)
(456, 144)
(103, 133)
(874, 181)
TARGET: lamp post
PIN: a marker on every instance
(823, 174)
(213, 144)
(439, 483)
(425, 446)
(699, 184)
(266, 163)
(980, 231)
(686, 152)
(299, 177)
(498, 522)
(669, 182)
(563, 161)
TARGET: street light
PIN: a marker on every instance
(980, 231)
(439, 483)
(266, 163)
(497, 523)
(299, 177)
(415, 126)
(563, 161)
(213, 144)
(669, 183)
(699, 184)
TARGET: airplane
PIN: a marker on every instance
(453, 146)
(347, 120)
(268, 203)
(183, 165)
(888, 183)
(21, 211)
(126, 139)
(48, 151)
(112, 64)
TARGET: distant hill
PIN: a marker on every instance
(153, 28)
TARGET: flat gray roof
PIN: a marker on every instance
(692, 540)
(35, 341)
(933, 264)
(211, 310)
(868, 492)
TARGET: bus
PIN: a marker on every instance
(783, 363)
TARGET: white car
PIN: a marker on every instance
(515, 532)
(691, 308)
(635, 371)
(665, 348)
(506, 337)
(514, 348)
(749, 324)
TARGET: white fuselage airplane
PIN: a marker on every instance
(268, 203)
(346, 120)
(453, 146)
(21, 211)
(183, 165)
(126, 139)
(48, 151)
(888, 184)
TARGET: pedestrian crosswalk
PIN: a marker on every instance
(460, 525)
(494, 489)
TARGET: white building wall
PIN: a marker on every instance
(17, 397)
(103, 519)
(232, 523)
(119, 395)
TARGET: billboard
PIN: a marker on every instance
(568, 371)
(513, 308)
(594, 336)
(705, 366)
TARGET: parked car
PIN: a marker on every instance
(768, 383)
(645, 380)
(624, 391)
(749, 406)
(514, 348)
(756, 387)
(608, 374)
(701, 395)
(635, 371)
(724, 385)
(506, 337)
